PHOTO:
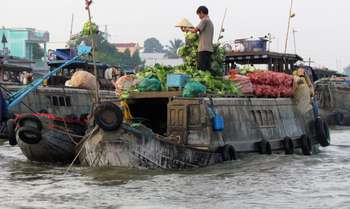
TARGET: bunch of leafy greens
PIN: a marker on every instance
(215, 83)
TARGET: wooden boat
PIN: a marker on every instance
(48, 138)
(196, 132)
(333, 96)
(184, 133)
(54, 97)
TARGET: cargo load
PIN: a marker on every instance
(82, 79)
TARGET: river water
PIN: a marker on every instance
(255, 181)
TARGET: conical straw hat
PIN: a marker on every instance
(184, 23)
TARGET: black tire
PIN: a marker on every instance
(265, 147)
(29, 135)
(115, 116)
(306, 145)
(35, 121)
(228, 153)
(288, 146)
(322, 132)
(11, 131)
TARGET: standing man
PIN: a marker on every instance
(206, 34)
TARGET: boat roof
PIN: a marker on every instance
(84, 64)
(260, 57)
(15, 64)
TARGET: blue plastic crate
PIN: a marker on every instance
(177, 80)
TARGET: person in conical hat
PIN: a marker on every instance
(184, 24)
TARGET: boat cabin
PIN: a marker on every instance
(12, 69)
(274, 61)
(60, 56)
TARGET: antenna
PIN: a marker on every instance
(71, 27)
(222, 26)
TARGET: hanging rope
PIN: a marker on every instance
(126, 111)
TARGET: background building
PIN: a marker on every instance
(132, 47)
(26, 43)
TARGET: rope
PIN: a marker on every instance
(126, 111)
(81, 149)
(9, 93)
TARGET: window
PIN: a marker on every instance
(62, 103)
(68, 104)
(54, 101)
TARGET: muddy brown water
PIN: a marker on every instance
(254, 181)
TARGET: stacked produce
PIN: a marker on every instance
(213, 85)
(86, 29)
(271, 84)
(200, 82)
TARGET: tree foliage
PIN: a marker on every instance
(107, 52)
(171, 51)
(153, 45)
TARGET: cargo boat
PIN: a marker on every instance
(53, 97)
(179, 133)
(43, 137)
(333, 96)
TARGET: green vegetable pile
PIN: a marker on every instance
(189, 51)
(215, 84)
(86, 29)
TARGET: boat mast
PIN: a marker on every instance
(288, 28)
(88, 3)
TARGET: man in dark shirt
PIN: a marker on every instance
(206, 34)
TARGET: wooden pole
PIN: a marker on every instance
(97, 97)
(71, 27)
(288, 28)
(295, 41)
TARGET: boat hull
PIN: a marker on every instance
(54, 147)
(134, 148)
(334, 102)
(251, 125)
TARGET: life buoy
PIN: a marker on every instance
(322, 132)
(30, 120)
(306, 145)
(288, 146)
(228, 153)
(108, 116)
(265, 147)
(11, 132)
(29, 135)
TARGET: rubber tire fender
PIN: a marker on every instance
(34, 136)
(322, 131)
(265, 147)
(11, 131)
(33, 118)
(228, 153)
(306, 145)
(112, 108)
(288, 146)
